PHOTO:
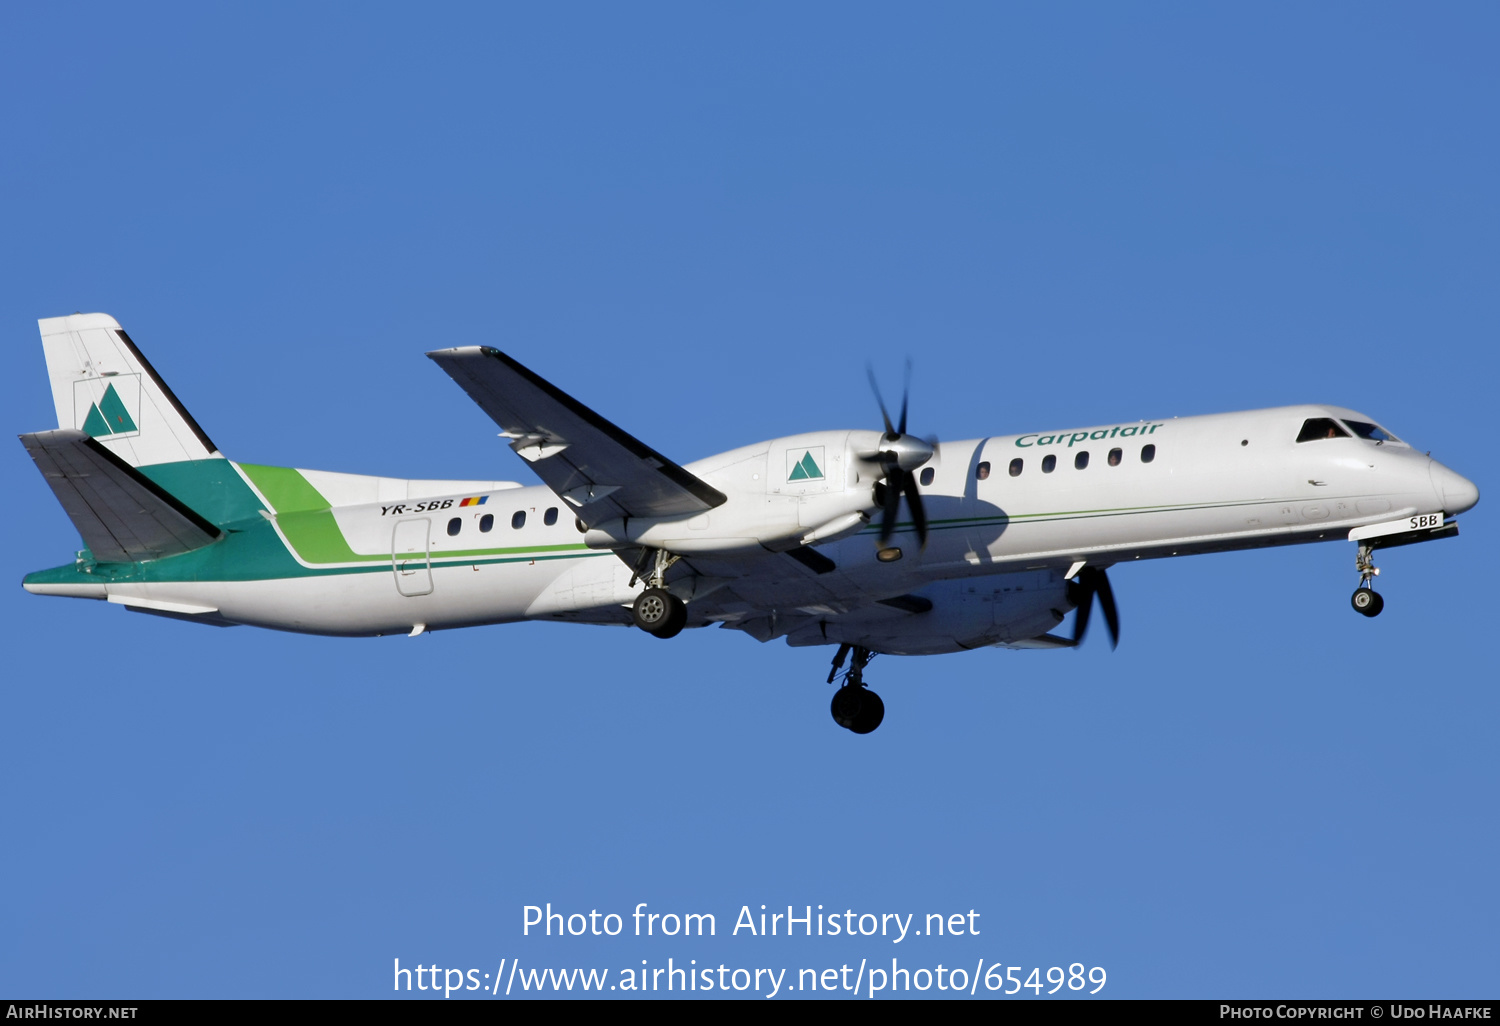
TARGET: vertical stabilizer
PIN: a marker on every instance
(102, 385)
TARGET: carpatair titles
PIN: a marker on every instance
(1072, 438)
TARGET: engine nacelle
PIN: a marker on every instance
(800, 490)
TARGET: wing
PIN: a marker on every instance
(601, 471)
(122, 516)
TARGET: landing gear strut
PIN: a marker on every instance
(855, 707)
(1366, 600)
(656, 610)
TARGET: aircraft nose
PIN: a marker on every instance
(1458, 492)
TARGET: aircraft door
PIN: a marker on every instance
(411, 556)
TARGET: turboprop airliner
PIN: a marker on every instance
(873, 541)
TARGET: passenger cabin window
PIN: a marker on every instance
(1370, 431)
(454, 526)
(1081, 460)
(982, 472)
(1115, 456)
(487, 522)
(1321, 427)
(1049, 464)
(1148, 453)
(519, 520)
(550, 517)
(927, 473)
(1016, 466)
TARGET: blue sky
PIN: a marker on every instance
(703, 221)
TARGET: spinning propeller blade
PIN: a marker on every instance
(1093, 581)
(892, 504)
(899, 456)
(905, 395)
(918, 513)
(890, 432)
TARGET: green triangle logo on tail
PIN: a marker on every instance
(806, 470)
(108, 416)
(115, 414)
(96, 425)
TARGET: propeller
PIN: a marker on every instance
(1094, 581)
(899, 456)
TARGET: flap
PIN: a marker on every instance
(122, 516)
(602, 472)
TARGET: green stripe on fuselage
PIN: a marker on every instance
(304, 516)
(251, 549)
(285, 489)
(306, 520)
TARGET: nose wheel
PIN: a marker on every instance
(855, 707)
(1365, 600)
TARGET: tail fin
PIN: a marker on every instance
(103, 386)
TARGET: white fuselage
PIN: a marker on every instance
(1211, 483)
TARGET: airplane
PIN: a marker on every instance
(873, 541)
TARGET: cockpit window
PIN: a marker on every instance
(1373, 432)
(1321, 427)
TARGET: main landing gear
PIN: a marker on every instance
(1366, 600)
(855, 707)
(656, 610)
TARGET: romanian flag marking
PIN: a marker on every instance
(474, 500)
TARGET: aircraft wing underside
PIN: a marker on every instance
(765, 594)
(602, 472)
(768, 595)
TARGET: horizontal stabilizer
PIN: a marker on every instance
(603, 472)
(123, 516)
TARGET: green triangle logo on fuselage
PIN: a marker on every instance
(806, 470)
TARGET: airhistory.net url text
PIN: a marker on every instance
(674, 978)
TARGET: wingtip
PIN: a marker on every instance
(461, 351)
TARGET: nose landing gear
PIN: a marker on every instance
(1366, 600)
(855, 707)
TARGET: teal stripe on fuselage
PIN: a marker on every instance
(213, 488)
(256, 554)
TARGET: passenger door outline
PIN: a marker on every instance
(411, 556)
